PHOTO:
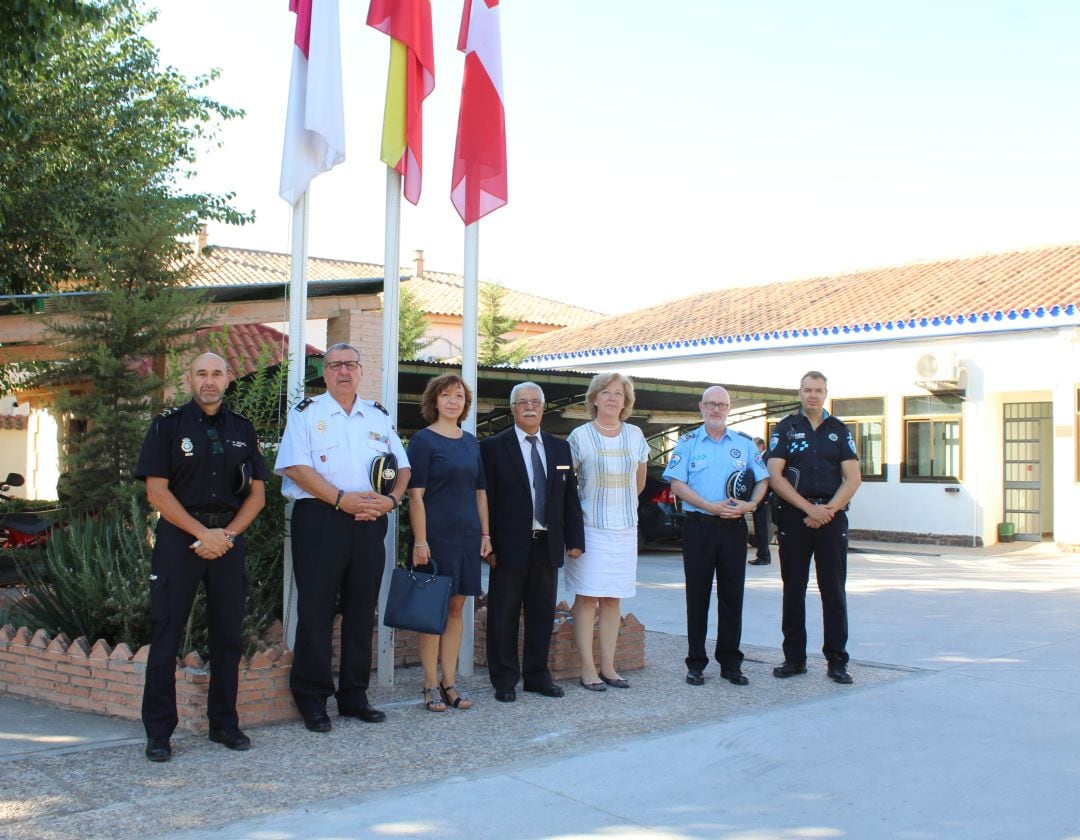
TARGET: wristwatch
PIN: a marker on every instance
(395, 500)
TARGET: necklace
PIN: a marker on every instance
(600, 425)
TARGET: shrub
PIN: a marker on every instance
(93, 579)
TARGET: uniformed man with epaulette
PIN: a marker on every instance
(814, 471)
(719, 475)
(338, 526)
(205, 475)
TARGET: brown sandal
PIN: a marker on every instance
(432, 701)
(460, 702)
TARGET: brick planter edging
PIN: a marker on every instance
(106, 680)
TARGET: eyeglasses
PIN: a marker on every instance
(339, 365)
(215, 440)
(713, 406)
(529, 403)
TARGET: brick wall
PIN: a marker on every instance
(105, 680)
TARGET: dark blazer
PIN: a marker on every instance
(510, 506)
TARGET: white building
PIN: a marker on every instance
(959, 378)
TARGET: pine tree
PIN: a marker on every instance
(494, 348)
(412, 326)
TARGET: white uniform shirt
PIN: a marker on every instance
(338, 445)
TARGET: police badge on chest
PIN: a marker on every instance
(187, 447)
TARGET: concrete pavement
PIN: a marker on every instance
(962, 724)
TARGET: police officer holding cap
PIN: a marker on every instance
(338, 526)
(719, 475)
(205, 475)
(814, 471)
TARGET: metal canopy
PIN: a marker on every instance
(661, 404)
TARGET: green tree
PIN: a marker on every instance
(492, 325)
(111, 377)
(92, 125)
(412, 326)
(91, 203)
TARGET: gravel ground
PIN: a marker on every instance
(114, 792)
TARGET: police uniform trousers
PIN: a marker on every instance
(178, 571)
(532, 587)
(828, 546)
(713, 546)
(335, 559)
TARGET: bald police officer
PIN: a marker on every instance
(192, 460)
(702, 471)
(814, 470)
(338, 525)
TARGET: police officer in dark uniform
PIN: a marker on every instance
(814, 471)
(705, 468)
(205, 475)
(338, 526)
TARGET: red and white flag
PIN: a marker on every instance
(478, 184)
(315, 124)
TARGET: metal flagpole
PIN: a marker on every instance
(295, 386)
(468, 373)
(391, 308)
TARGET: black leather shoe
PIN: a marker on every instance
(695, 677)
(505, 695)
(735, 676)
(158, 749)
(234, 739)
(839, 674)
(549, 690)
(318, 722)
(789, 669)
(366, 713)
(759, 562)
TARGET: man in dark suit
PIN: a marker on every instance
(535, 516)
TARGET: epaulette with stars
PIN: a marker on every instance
(378, 405)
(168, 412)
(304, 403)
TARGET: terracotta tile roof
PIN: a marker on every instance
(948, 294)
(436, 292)
(246, 342)
(13, 422)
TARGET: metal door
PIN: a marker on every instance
(1028, 466)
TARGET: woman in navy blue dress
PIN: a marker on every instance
(449, 516)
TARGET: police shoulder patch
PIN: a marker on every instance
(304, 403)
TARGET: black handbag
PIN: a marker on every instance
(418, 602)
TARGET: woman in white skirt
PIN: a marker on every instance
(610, 457)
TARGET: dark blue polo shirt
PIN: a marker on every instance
(812, 457)
(202, 473)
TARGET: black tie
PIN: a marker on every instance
(539, 483)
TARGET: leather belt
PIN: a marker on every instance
(217, 519)
(539, 534)
(709, 518)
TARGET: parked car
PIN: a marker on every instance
(661, 516)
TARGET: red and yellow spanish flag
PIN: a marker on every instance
(410, 79)
(478, 184)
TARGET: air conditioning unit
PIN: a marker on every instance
(939, 366)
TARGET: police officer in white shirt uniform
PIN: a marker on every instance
(338, 526)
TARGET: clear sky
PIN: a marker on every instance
(658, 149)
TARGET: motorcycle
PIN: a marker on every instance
(20, 531)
